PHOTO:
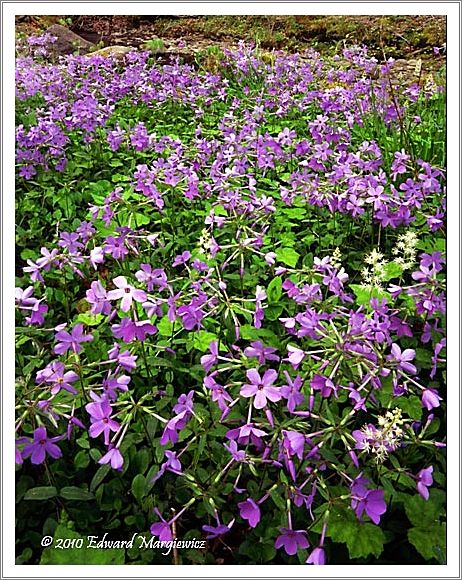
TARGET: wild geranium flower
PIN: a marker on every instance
(100, 413)
(291, 540)
(114, 457)
(261, 388)
(424, 481)
(41, 446)
(126, 292)
(59, 379)
(249, 511)
(366, 500)
(71, 341)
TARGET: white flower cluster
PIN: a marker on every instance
(373, 275)
(380, 441)
(405, 250)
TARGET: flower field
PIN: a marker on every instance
(230, 308)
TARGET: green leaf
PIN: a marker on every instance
(391, 270)
(202, 340)
(41, 493)
(138, 486)
(429, 542)
(99, 477)
(364, 295)
(411, 406)
(81, 460)
(361, 538)
(274, 290)
(82, 555)
(288, 256)
(75, 493)
(425, 514)
(164, 326)
(89, 319)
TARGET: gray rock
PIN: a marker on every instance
(68, 42)
(116, 51)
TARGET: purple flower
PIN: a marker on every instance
(40, 446)
(237, 454)
(245, 434)
(208, 360)
(291, 540)
(218, 530)
(114, 457)
(181, 259)
(100, 413)
(172, 464)
(370, 501)
(162, 529)
(127, 292)
(295, 356)
(291, 391)
(261, 387)
(55, 375)
(324, 385)
(219, 393)
(430, 399)
(71, 341)
(249, 511)
(152, 277)
(128, 330)
(317, 556)
(424, 481)
(402, 358)
(173, 426)
(260, 352)
(98, 298)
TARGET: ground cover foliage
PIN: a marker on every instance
(230, 308)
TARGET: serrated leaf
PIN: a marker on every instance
(288, 256)
(364, 295)
(89, 319)
(429, 542)
(41, 493)
(361, 538)
(202, 340)
(391, 270)
(422, 513)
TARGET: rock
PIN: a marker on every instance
(118, 52)
(68, 42)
